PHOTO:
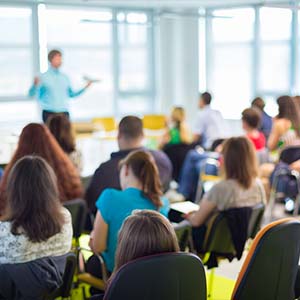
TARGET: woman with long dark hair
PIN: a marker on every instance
(286, 126)
(34, 223)
(141, 189)
(36, 139)
(60, 127)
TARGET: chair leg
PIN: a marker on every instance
(210, 282)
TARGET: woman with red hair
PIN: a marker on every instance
(36, 139)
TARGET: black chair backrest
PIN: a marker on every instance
(183, 232)
(177, 154)
(272, 269)
(65, 289)
(170, 276)
(255, 219)
(78, 211)
(290, 154)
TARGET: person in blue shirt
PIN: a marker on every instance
(141, 189)
(266, 120)
(53, 88)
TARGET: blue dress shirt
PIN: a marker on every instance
(54, 91)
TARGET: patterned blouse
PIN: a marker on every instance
(19, 249)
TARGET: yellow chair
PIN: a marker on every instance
(105, 123)
(154, 122)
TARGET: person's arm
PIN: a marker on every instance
(185, 134)
(274, 136)
(34, 88)
(199, 127)
(73, 94)
(98, 239)
(199, 217)
(295, 165)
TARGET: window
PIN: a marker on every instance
(85, 38)
(275, 50)
(135, 90)
(16, 62)
(231, 60)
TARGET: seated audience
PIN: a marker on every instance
(130, 137)
(177, 130)
(193, 164)
(61, 129)
(239, 188)
(210, 124)
(36, 139)
(251, 121)
(144, 233)
(34, 224)
(266, 121)
(286, 125)
(140, 190)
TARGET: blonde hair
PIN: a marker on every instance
(178, 115)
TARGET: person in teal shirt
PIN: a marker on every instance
(53, 88)
(140, 190)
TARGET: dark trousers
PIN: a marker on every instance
(47, 114)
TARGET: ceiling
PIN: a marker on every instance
(158, 3)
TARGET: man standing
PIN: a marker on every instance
(130, 138)
(210, 124)
(53, 88)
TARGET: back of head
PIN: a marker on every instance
(145, 170)
(287, 109)
(178, 115)
(33, 199)
(131, 128)
(259, 103)
(144, 233)
(60, 127)
(206, 98)
(36, 139)
(251, 117)
(240, 162)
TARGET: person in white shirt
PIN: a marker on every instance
(209, 125)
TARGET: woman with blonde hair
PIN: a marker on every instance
(240, 186)
(177, 131)
(141, 189)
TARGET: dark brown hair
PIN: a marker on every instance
(144, 233)
(252, 117)
(144, 169)
(131, 127)
(53, 53)
(206, 97)
(33, 200)
(36, 139)
(287, 109)
(240, 162)
(259, 103)
(61, 128)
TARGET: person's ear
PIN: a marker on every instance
(126, 170)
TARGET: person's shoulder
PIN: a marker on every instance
(110, 194)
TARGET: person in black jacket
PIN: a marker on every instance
(130, 137)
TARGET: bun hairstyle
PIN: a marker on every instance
(144, 168)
